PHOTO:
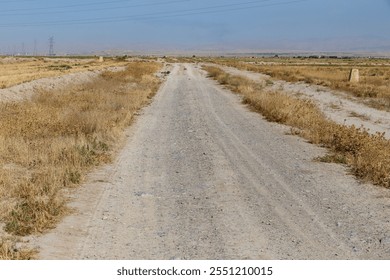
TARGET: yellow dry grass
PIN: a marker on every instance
(15, 71)
(10, 250)
(48, 144)
(367, 155)
(374, 82)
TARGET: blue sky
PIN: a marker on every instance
(177, 25)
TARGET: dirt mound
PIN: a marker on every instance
(27, 90)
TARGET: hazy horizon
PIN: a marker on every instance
(87, 26)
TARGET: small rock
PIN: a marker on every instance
(385, 240)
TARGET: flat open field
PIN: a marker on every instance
(17, 70)
(373, 88)
(197, 174)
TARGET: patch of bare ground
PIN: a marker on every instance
(15, 71)
(48, 144)
(367, 155)
(27, 90)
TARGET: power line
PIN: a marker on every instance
(96, 9)
(70, 6)
(13, 2)
(158, 15)
(217, 11)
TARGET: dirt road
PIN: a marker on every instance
(202, 177)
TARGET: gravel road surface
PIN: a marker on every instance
(203, 177)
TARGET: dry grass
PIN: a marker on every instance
(374, 76)
(14, 71)
(47, 145)
(9, 250)
(363, 117)
(367, 155)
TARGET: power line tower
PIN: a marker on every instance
(35, 47)
(51, 46)
(23, 52)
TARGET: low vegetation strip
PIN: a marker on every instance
(48, 144)
(14, 71)
(374, 82)
(367, 155)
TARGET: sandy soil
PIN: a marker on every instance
(202, 177)
(338, 106)
(26, 91)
